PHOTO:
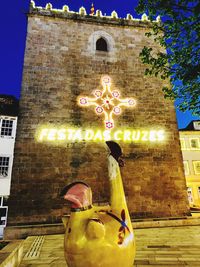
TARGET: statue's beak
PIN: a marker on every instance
(73, 199)
(78, 194)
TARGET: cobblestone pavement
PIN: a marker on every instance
(166, 247)
(171, 246)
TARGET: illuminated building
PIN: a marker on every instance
(83, 83)
(8, 124)
(190, 145)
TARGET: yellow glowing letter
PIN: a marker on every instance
(51, 135)
(61, 134)
(78, 135)
(70, 133)
(116, 135)
(136, 135)
(98, 136)
(145, 136)
(43, 134)
(89, 134)
(160, 135)
(127, 135)
(106, 135)
(152, 136)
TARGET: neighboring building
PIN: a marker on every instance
(8, 124)
(190, 145)
(58, 141)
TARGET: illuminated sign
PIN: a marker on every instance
(79, 134)
(107, 102)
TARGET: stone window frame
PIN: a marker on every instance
(102, 42)
(186, 167)
(96, 35)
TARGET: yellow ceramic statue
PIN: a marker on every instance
(99, 236)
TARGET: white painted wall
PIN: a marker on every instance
(7, 150)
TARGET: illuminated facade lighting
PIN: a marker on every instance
(107, 102)
(65, 134)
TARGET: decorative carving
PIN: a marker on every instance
(49, 6)
(82, 11)
(114, 15)
(144, 17)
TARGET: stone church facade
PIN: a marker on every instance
(62, 63)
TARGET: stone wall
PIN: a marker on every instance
(60, 64)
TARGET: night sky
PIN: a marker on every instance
(13, 24)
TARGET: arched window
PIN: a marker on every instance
(101, 45)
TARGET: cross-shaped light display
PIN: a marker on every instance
(107, 102)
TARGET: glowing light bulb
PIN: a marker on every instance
(99, 110)
(117, 110)
(131, 102)
(98, 93)
(106, 80)
(109, 125)
(83, 101)
(115, 94)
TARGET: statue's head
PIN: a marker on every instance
(79, 194)
(115, 151)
